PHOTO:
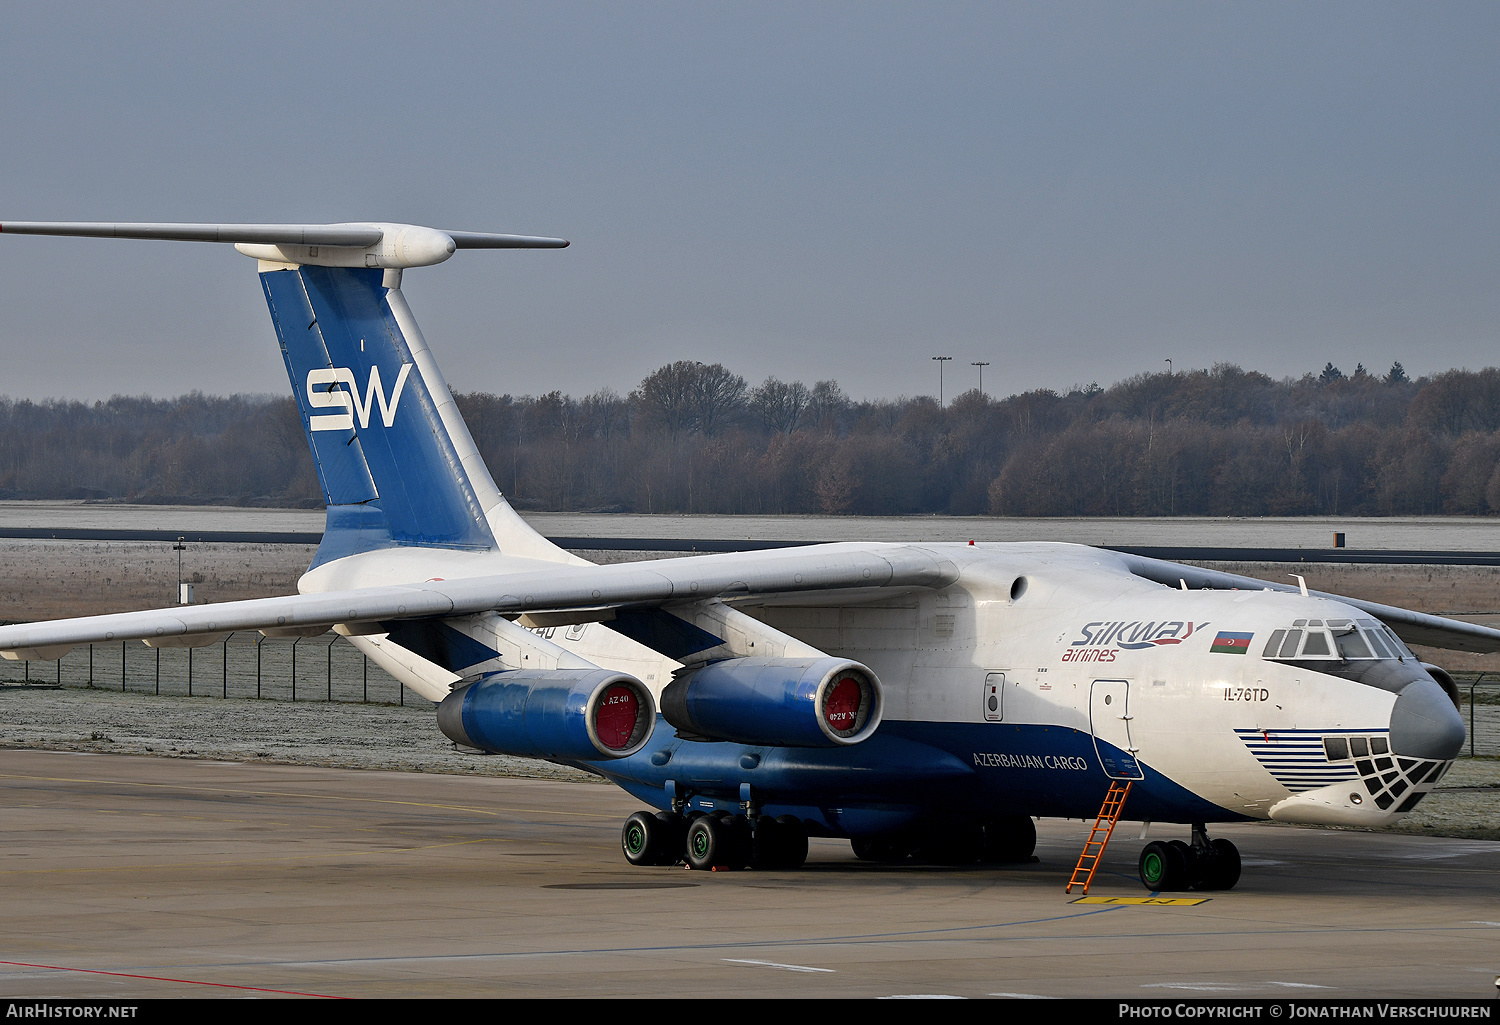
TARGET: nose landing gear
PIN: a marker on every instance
(1205, 865)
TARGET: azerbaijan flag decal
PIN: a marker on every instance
(1231, 643)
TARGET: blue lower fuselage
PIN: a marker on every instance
(908, 774)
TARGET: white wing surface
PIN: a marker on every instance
(815, 568)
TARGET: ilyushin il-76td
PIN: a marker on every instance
(921, 700)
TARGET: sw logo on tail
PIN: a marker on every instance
(333, 396)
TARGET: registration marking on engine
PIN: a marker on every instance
(1171, 901)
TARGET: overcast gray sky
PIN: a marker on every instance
(1072, 192)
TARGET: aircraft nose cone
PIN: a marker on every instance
(1424, 723)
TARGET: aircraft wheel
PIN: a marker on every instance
(704, 841)
(1162, 867)
(1009, 839)
(674, 837)
(715, 842)
(644, 839)
(742, 841)
(1193, 867)
(793, 841)
(1223, 868)
(779, 843)
(765, 845)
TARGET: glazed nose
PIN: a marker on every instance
(1424, 723)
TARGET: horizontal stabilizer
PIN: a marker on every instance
(490, 240)
(268, 234)
(356, 244)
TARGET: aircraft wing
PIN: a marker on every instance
(732, 575)
(1411, 627)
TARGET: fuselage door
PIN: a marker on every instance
(994, 697)
(1109, 718)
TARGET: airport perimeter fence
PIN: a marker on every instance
(1479, 696)
(242, 665)
(328, 668)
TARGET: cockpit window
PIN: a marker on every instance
(1351, 645)
(1273, 646)
(1382, 637)
(1342, 639)
(1398, 644)
(1317, 643)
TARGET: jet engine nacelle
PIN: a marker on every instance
(784, 702)
(569, 714)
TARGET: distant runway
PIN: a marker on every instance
(132, 877)
(690, 546)
(1307, 536)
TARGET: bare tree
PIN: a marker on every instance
(687, 396)
(780, 406)
(826, 404)
(719, 398)
(668, 397)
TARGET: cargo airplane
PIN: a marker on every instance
(922, 700)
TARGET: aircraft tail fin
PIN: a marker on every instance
(396, 461)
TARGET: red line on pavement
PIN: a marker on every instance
(161, 978)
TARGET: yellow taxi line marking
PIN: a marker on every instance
(1152, 901)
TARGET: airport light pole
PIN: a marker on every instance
(179, 548)
(981, 367)
(940, 361)
(1169, 368)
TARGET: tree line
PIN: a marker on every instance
(698, 438)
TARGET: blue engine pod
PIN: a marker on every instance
(564, 714)
(782, 702)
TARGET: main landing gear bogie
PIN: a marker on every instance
(1168, 865)
(719, 840)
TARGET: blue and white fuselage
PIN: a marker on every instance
(908, 696)
(1044, 670)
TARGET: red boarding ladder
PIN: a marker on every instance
(1104, 825)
